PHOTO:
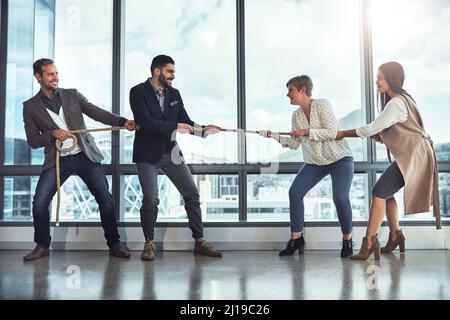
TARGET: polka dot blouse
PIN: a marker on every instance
(320, 147)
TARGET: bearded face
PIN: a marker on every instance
(167, 75)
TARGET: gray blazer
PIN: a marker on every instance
(39, 125)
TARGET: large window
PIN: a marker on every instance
(289, 38)
(30, 35)
(232, 59)
(78, 36)
(201, 37)
(77, 202)
(18, 198)
(416, 34)
(268, 198)
(83, 54)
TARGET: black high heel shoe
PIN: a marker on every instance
(292, 246)
(347, 248)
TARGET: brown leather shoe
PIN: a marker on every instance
(37, 253)
(149, 251)
(117, 251)
(392, 244)
(366, 251)
(205, 249)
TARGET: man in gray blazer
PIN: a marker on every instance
(48, 116)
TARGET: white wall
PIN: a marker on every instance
(257, 238)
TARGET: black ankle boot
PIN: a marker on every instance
(347, 248)
(293, 245)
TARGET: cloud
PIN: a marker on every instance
(293, 38)
(83, 48)
(418, 39)
(264, 119)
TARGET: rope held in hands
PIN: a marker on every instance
(244, 131)
(60, 150)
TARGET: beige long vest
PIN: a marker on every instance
(413, 150)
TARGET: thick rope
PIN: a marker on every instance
(245, 131)
(60, 150)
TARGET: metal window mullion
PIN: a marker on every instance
(367, 72)
(242, 152)
(116, 98)
(240, 59)
(3, 66)
(54, 29)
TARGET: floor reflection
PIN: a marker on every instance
(252, 275)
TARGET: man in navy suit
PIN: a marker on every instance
(159, 113)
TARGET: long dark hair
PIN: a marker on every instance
(395, 76)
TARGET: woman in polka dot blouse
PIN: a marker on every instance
(314, 127)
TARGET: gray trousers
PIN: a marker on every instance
(181, 177)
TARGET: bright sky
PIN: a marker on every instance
(283, 39)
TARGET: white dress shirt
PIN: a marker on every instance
(60, 121)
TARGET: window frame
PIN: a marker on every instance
(242, 168)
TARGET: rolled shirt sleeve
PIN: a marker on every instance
(395, 112)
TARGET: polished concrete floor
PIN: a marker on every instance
(239, 275)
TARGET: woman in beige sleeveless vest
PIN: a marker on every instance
(401, 129)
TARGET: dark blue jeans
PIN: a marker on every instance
(93, 176)
(309, 175)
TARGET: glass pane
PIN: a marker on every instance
(282, 42)
(30, 35)
(444, 194)
(18, 198)
(219, 198)
(44, 21)
(268, 198)
(83, 55)
(77, 202)
(423, 50)
(201, 37)
(382, 152)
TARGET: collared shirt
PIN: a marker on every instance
(320, 148)
(60, 121)
(53, 104)
(160, 96)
